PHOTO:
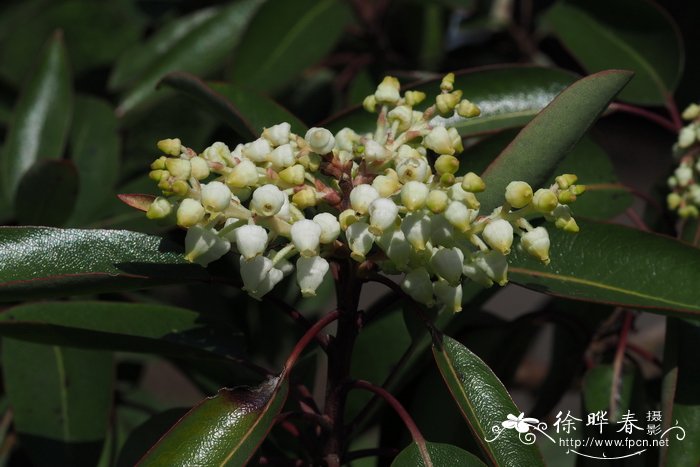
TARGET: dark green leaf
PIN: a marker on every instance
(288, 37)
(42, 115)
(34, 205)
(61, 399)
(129, 327)
(484, 403)
(632, 34)
(609, 263)
(508, 97)
(142, 437)
(543, 143)
(597, 391)
(95, 152)
(199, 50)
(223, 430)
(47, 262)
(442, 455)
(246, 111)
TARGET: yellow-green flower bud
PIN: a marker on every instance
(179, 168)
(448, 82)
(171, 146)
(293, 175)
(447, 102)
(160, 208)
(446, 164)
(402, 114)
(388, 91)
(577, 190)
(311, 161)
(691, 112)
(545, 200)
(189, 213)
(386, 185)
(304, 198)
(199, 168)
(437, 201)
(566, 180)
(467, 109)
(158, 175)
(414, 97)
(673, 200)
(159, 164)
(456, 139)
(567, 224)
(370, 103)
(518, 194)
(447, 179)
(688, 211)
(243, 175)
(180, 187)
(413, 195)
(347, 218)
(473, 183)
(439, 140)
(536, 243)
(566, 197)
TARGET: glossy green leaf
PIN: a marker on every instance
(61, 399)
(631, 34)
(507, 96)
(442, 455)
(128, 327)
(246, 111)
(544, 142)
(199, 50)
(95, 149)
(288, 37)
(41, 119)
(613, 264)
(48, 262)
(34, 207)
(223, 430)
(484, 403)
(597, 387)
(146, 434)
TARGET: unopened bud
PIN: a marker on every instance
(217, 152)
(567, 224)
(375, 152)
(243, 175)
(439, 141)
(536, 243)
(388, 91)
(413, 168)
(257, 151)
(459, 216)
(347, 218)
(293, 175)
(416, 228)
(447, 102)
(200, 168)
(360, 240)
(467, 109)
(305, 198)
(179, 168)
(544, 200)
(159, 164)
(446, 164)
(385, 185)
(473, 183)
(171, 146)
(216, 196)
(321, 141)
(306, 236)
(189, 213)
(414, 97)
(267, 200)
(437, 201)
(402, 114)
(494, 265)
(346, 139)
(448, 82)
(382, 215)
(566, 180)
(160, 208)
(330, 227)
(673, 200)
(414, 195)
(277, 134)
(518, 194)
(687, 136)
(370, 103)
(259, 276)
(282, 156)
(498, 234)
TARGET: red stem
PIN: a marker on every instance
(298, 318)
(675, 114)
(619, 360)
(307, 338)
(402, 413)
(634, 217)
(672, 126)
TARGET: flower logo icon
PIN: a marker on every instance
(520, 423)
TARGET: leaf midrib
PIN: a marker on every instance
(63, 393)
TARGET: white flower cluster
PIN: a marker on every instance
(685, 189)
(390, 197)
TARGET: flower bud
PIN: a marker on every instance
(416, 228)
(577, 190)
(310, 274)
(456, 139)
(566, 197)
(243, 175)
(382, 215)
(180, 187)
(346, 139)
(545, 200)
(267, 200)
(494, 265)
(170, 146)
(304, 198)
(498, 234)
(437, 201)
(684, 175)
(439, 141)
(257, 150)
(406, 151)
(536, 243)
(306, 236)
(413, 169)
(203, 245)
(413, 195)
(370, 104)
(447, 102)
(282, 156)
(179, 168)
(277, 134)
(218, 152)
(347, 218)
(159, 164)
(200, 168)
(160, 208)
(414, 97)
(310, 161)
(458, 215)
(251, 240)
(394, 244)
(388, 91)
(216, 196)
(446, 164)
(686, 137)
(673, 200)
(467, 109)
(450, 295)
(447, 179)
(385, 185)
(457, 193)
(330, 227)
(691, 112)
(518, 194)
(189, 213)
(687, 211)
(293, 175)
(448, 82)
(473, 183)
(361, 197)
(566, 224)
(402, 114)
(321, 141)
(447, 263)
(565, 180)
(375, 152)
(418, 286)
(259, 276)
(360, 240)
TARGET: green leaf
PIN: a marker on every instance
(61, 400)
(128, 327)
(146, 434)
(508, 96)
(632, 34)
(543, 143)
(484, 403)
(618, 265)
(597, 387)
(246, 111)
(95, 149)
(442, 455)
(55, 177)
(48, 262)
(223, 430)
(42, 115)
(288, 37)
(200, 50)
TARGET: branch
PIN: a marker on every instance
(672, 126)
(298, 318)
(310, 335)
(619, 359)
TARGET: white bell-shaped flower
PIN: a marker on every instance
(204, 245)
(217, 152)
(385, 185)
(320, 140)
(330, 227)
(382, 215)
(405, 151)
(200, 168)
(450, 295)
(494, 264)
(498, 234)
(684, 175)
(412, 169)
(310, 274)
(160, 208)
(402, 114)
(267, 200)
(447, 263)
(282, 156)
(388, 91)
(346, 139)
(418, 286)
(536, 243)
(277, 134)
(243, 175)
(251, 240)
(361, 197)
(416, 228)
(459, 215)
(375, 152)
(394, 244)
(519, 194)
(360, 240)
(216, 196)
(259, 276)
(414, 195)
(189, 213)
(439, 140)
(257, 150)
(306, 237)
(442, 233)
(476, 274)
